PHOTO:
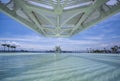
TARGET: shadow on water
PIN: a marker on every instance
(61, 72)
(45, 61)
(100, 61)
(11, 72)
(91, 78)
(81, 73)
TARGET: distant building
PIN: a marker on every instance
(58, 49)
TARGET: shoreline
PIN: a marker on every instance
(76, 54)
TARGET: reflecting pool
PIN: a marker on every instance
(59, 67)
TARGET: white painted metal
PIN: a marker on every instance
(59, 18)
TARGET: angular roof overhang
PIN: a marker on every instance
(59, 18)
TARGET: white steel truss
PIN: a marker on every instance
(59, 18)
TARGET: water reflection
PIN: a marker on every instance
(59, 67)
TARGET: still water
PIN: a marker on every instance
(60, 67)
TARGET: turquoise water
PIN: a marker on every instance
(61, 67)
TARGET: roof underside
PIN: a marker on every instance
(59, 18)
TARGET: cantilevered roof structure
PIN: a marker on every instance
(59, 18)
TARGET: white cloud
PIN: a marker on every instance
(111, 2)
(42, 43)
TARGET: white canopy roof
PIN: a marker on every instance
(59, 18)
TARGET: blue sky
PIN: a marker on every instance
(104, 34)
